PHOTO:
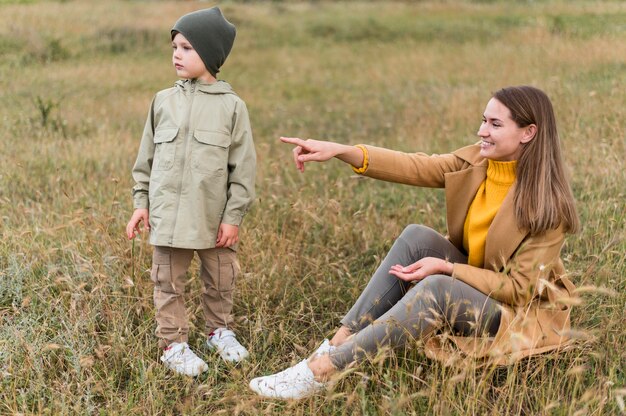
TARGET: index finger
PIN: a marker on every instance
(292, 140)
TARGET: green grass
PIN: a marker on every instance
(76, 79)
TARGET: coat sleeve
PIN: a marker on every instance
(418, 169)
(241, 168)
(524, 276)
(143, 164)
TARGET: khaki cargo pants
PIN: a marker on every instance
(218, 271)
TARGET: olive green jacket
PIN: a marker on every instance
(523, 272)
(196, 164)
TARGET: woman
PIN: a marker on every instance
(496, 281)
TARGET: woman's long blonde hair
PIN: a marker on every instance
(543, 197)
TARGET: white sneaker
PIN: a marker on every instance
(325, 348)
(179, 357)
(223, 340)
(296, 382)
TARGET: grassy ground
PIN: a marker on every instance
(76, 79)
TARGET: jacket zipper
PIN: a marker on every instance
(186, 138)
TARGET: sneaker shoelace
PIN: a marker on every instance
(187, 355)
(226, 339)
(183, 354)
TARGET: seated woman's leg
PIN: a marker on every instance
(384, 290)
(434, 303)
(380, 301)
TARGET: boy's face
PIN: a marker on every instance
(187, 62)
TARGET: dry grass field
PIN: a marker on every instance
(76, 80)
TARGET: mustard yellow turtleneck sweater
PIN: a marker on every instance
(483, 209)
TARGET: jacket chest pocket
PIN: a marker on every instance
(210, 152)
(165, 148)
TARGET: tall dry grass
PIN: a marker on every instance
(76, 78)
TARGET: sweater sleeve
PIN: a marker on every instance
(241, 168)
(523, 277)
(143, 163)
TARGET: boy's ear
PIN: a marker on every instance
(529, 133)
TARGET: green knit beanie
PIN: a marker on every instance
(210, 34)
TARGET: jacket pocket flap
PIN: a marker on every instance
(165, 135)
(214, 138)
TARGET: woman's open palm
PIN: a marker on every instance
(420, 269)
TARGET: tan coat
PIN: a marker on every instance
(523, 272)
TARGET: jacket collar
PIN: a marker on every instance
(219, 87)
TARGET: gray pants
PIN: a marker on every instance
(391, 312)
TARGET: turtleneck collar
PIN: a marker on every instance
(502, 172)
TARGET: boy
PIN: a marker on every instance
(194, 176)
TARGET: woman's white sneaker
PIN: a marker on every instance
(224, 341)
(179, 357)
(296, 382)
(325, 348)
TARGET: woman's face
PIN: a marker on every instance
(501, 138)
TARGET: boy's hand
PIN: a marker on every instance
(227, 235)
(132, 229)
